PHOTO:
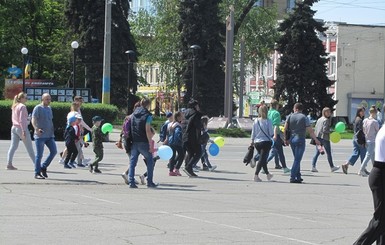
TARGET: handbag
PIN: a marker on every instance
(249, 154)
(287, 130)
(360, 135)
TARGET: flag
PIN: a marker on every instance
(87, 137)
(27, 70)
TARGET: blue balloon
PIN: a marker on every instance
(165, 152)
(213, 149)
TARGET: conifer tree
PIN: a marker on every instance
(301, 72)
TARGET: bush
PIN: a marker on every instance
(232, 132)
(60, 110)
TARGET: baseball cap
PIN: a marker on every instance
(168, 114)
(71, 120)
(97, 119)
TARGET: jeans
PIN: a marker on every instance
(277, 153)
(376, 228)
(368, 156)
(297, 145)
(358, 151)
(144, 149)
(39, 143)
(16, 134)
(328, 150)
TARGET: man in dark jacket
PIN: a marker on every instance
(141, 137)
(191, 136)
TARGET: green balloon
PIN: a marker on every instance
(107, 127)
(340, 127)
(335, 137)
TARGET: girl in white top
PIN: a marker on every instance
(19, 130)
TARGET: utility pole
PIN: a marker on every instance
(107, 55)
(241, 76)
(228, 110)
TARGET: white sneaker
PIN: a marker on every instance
(314, 170)
(362, 173)
(269, 177)
(335, 168)
(253, 163)
(213, 167)
(257, 179)
(61, 161)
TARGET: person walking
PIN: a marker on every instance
(44, 135)
(370, 128)
(261, 138)
(322, 131)
(359, 149)
(70, 137)
(295, 132)
(141, 138)
(174, 140)
(19, 130)
(191, 136)
(277, 150)
(97, 144)
(376, 228)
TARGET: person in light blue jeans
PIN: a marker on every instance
(297, 124)
(371, 128)
(44, 135)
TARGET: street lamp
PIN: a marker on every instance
(24, 52)
(195, 51)
(131, 60)
(74, 46)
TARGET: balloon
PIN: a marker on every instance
(282, 128)
(213, 149)
(165, 152)
(220, 141)
(107, 127)
(335, 137)
(340, 127)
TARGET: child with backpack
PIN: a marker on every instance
(71, 137)
(174, 138)
(163, 128)
(205, 138)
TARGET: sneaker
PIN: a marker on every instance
(257, 179)
(187, 172)
(142, 179)
(269, 177)
(213, 167)
(335, 168)
(44, 172)
(296, 181)
(39, 176)
(205, 169)
(345, 168)
(366, 172)
(11, 167)
(80, 165)
(362, 173)
(278, 167)
(67, 166)
(177, 172)
(133, 186)
(72, 164)
(286, 170)
(171, 173)
(61, 161)
(125, 177)
(314, 170)
(196, 169)
(97, 171)
(253, 163)
(152, 185)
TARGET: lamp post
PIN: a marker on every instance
(74, 46)
(131, 59)
(195, 51)
(24, 52)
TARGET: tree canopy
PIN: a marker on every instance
(301, 72)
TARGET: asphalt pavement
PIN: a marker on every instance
(74, 206)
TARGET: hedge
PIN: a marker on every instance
(110, 113)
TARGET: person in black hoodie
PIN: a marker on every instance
(191, 136)
(141, 137)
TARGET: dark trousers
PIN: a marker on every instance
(72, 153)
(98, 156)
(376, 228)
(178, 155)
(194, 154)
(263, 149)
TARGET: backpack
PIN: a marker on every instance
(163, 131)
(127, 134)
(171, 137)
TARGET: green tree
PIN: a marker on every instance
(200, 25)
(86, 19)
(301, 72)
(37, 25)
